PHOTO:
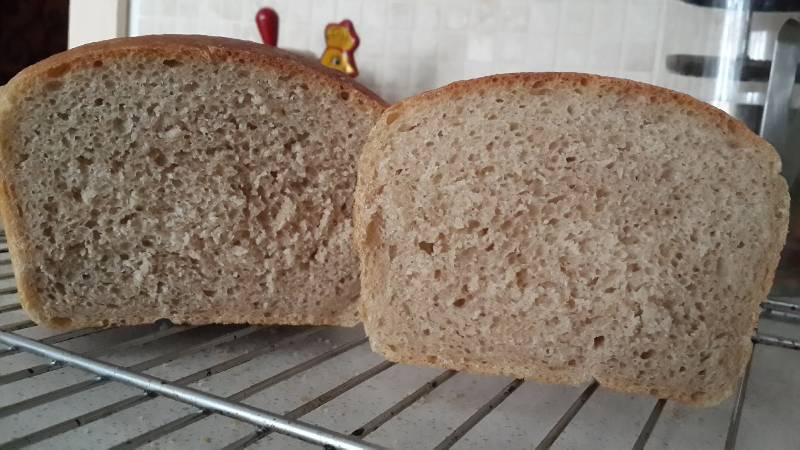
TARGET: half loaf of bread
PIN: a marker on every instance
(191, 178)
(564, 227)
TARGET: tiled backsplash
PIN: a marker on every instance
(408, 46)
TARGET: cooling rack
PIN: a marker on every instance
(232, 387)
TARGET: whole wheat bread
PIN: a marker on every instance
(564, 227)
(191, 178)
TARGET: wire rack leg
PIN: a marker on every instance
(44, 368)
(647, 430)
(562, 423)
(736, 413)
(246, 413)
(11, 307)
(311, 405)
(97, 381)
(482, 412)
(55, 339)
(398, 407)
(15, 326)
(8, 290)
(777, 341)
(189, 419)
(108, 410)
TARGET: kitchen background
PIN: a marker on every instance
(30, 31)
(408, 46)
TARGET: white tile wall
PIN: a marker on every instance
(408, 46)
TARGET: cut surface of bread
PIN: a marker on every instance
(563, 227)
(193, 178)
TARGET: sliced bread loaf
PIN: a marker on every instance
(564, 227)
(191, 178)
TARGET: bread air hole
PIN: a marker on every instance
(374, 231)
(157, 156)
(599, 341)
(459, 303)
(192, 86)
(407, 127)
(53, 85)
(426, 247)
(522, 279)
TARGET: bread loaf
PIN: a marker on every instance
(564, 227)
(191, 178)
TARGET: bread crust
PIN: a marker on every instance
(191, 47)
(14, 226)
(200, 47)
(375, 265)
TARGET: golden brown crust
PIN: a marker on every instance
(377, 146)
(158, 46)
(197, 46)
(622, 87)
(14, 224)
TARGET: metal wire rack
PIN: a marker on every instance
(232, 387)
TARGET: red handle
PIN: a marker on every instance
(267, 21)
